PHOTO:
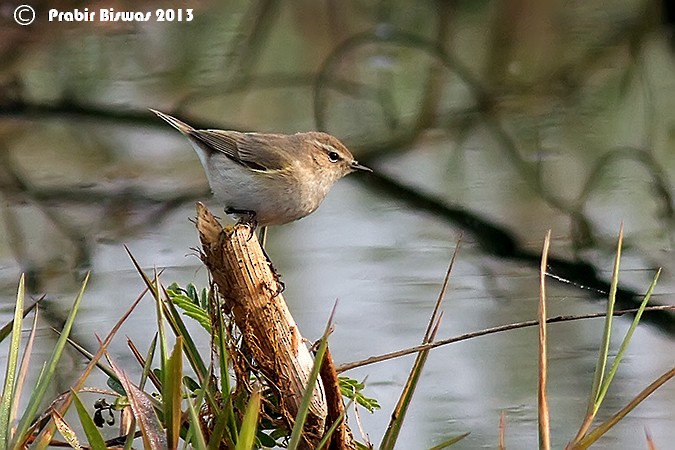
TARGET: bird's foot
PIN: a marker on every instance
(246, 217)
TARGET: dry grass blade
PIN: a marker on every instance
(603, 378)
(441, 294)
(502, 431)
(396, 422)
(651, 445)
(66, 430)
(66, 399)
(296, 438)
(544, 426)
(144, 362)
(25, 363)
(152, 431)
(601, 429)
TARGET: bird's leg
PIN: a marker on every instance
(262, 236)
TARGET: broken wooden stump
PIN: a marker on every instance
(251, 299)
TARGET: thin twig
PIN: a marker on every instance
(498, 329)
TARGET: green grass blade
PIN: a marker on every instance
(221, 425)
(296, 433)
(12, 361)
(7, 328)
(94, 437)
(163, 343)
(450, 442)
(147, 366)
(396, 423)
(249, 425)
(601, 429)
(626, 340)
(194, 358)
(226, 423)
(601, 364)
(301, 416)
(397, 417)
(47, 376)
(84, 374)
(25, 366)
(195, 432)
(326, 437)
(172, 393)
(192, 354)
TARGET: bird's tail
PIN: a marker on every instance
(177, 124)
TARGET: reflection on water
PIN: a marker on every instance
(522, 132)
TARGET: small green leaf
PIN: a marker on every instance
(351, 389)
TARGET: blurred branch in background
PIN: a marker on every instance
(384, 76)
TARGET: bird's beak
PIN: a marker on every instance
(356, 166)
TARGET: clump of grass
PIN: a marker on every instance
(604, 373)
(187, 399)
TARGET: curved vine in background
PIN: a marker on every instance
(660, 183)
(325, 81)
(483, 113)
(492, 237)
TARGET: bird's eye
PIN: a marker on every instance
(333, 156)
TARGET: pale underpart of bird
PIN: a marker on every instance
(269, 179)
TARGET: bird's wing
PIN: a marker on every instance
(251, 150)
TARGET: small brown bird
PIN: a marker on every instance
(269, 179)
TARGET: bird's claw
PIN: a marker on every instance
(246, 217)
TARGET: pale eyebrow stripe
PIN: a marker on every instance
(327, 147)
